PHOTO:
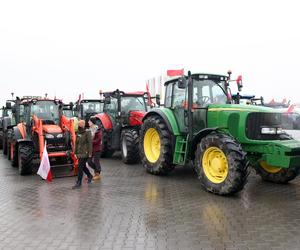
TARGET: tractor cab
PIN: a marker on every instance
(67, 110)
(207, 89)
(125, 109)
(86, 108)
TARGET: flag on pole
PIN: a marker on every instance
(175, 72)
(44, 168)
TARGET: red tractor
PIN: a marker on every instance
(42, 122)
(121, 120)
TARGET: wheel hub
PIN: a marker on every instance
(152, 145)
(215, 164)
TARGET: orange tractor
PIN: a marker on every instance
(42, 122)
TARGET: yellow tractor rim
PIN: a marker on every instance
(215, 165)
(152, 145)
(268, 168)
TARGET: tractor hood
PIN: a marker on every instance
(52, 129)
(239, 108)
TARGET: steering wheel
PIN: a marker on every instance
(204, 99)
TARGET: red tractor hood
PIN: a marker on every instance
(136, 118)
(52, 129)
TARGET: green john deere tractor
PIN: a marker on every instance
(200, 125)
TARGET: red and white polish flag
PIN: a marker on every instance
(44, 168)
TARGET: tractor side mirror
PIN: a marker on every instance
(239, 83)
(157, 99)
(182, 83)
(107, 100)
(8, 105)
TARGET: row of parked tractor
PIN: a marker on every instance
(201, 124)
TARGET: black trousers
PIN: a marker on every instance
(83, 168)
(94, 162)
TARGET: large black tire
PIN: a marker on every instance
(274, 174)
(221, 164)
(106, 152)
(25, 158)
(130, 146)
(156, 150)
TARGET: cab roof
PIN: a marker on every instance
(198, 76)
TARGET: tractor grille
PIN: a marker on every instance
(56, 144)
(255, 121)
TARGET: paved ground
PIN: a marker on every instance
(130, 209)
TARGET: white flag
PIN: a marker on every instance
(44, 168)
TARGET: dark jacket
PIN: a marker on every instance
(83, 146)
(97, 141)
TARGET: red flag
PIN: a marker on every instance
(291, 108)
(175, 72)
(44, 168)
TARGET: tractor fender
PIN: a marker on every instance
(198, 137)
(168, 117)
(6, 122)
(19, 132)
(105, 120)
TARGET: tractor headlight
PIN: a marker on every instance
(271, 131)
(49, 136)
(60, 136)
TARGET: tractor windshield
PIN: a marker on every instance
(67, 113)
(91, 107)
(207, 91)
(46, 110)
(129, 103)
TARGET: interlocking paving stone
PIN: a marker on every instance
(131, 209)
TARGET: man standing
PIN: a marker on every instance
(83, 151)
(96, 132)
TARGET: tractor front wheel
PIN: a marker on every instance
(155, 146)
(25, 158)
(276, 174)
(221, 164)
(130, 146)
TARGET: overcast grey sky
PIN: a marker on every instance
(64, 48)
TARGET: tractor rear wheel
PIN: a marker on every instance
(25, 158)
(130, 146)
(221, 164)
(276, 174)
(155, 146)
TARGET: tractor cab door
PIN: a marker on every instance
(175, 99)
(199, 107)
(111, 109)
